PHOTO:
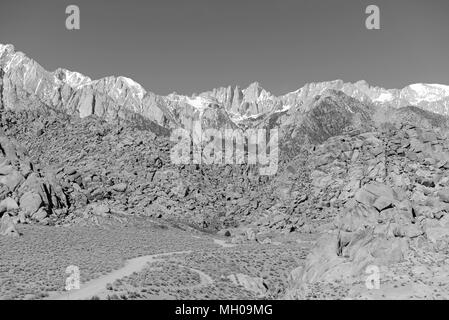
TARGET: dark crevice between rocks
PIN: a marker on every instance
(2, 74)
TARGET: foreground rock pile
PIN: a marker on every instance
(26, 193)
(388, 191)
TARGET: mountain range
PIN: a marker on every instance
(24, 84)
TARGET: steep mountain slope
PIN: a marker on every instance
(246, 103)
(327, 115)
(25, 84)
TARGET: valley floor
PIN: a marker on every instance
(142, 260)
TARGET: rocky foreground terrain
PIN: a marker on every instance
(360, 198)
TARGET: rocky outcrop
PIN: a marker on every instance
(244, 103)
(25, 191)
(385, 189)
(253, 284)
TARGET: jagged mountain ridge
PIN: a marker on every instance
(25, 84)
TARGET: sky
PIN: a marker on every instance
(196, 45)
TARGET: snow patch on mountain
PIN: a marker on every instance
(134, 86)
(198, 103)
(74, 79)
(384, 97)
(284, 108)
(429, 92)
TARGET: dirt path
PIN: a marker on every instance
(97, 286)
(223, 243)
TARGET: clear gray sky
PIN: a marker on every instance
(191, 46)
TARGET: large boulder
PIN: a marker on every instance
(48, 187)
(345, 256)
(30, 202)
(374, 190)
(40, 215)
(12, 180)
(365, 197)
(253, 284)
(8, 204)
(356, 216)
(120, 187)
(7, 227)
(443, 195)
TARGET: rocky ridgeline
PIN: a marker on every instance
(388, 192)
(25, 85)
(327, 115)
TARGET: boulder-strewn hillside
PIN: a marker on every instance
(127, 168)
(387, 191)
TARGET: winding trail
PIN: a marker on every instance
(97, 286)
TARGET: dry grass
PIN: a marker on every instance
(175, 277)
(35, 264)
